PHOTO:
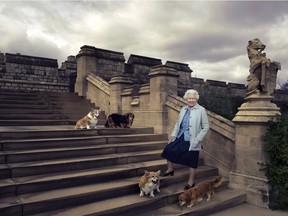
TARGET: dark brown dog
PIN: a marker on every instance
(115, 120)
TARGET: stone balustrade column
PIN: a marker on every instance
(86, 63)
(117, 84)
(163, 81)
(251, 125)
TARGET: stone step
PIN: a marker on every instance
(26, 144)
(223, 199)
(4, 171)
(31, 184)
(71, 111)
(52, 181)
(38, 122)
(130, 203)
(62, 95)
(78, 163)
(19, 97)
(62, 131)
(11, 206)
(39, 99)
(7, 187)
(43, 122)
(26, 106)
(81, 103)
(12, 102)
(35, 116)
(2, 158)
(19, 93)
(29, 111)
(28, 114)
(43, 116)
(60, 103)
(44, 201)
(37, 93)
(70, 152)
(46, 105)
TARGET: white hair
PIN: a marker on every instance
(191, 91)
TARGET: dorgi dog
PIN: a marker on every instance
(89, 121)
(149, 182)
(115, 120)
(196, 194)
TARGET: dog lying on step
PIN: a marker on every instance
(149, 182)
(196, 194)
(89, 121)
(117, 120)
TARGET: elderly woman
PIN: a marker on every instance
(185, 141)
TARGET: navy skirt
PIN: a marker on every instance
(178, 152)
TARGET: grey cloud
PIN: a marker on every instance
(251, 13)
(210, 33)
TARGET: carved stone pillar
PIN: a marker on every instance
(251, 124)
(86, 62)
(163, 80)
(249, 152)
(117, 84)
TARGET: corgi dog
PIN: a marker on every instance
(149, 182)
(196, 194)
(89, 121)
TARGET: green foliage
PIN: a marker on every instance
(276, 168)
(219, 102)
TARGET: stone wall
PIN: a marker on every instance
(106, 63)
(219, 97)
(184, 80)
(2, 65)
(22, 72)
(97, 61)
(138, 67)
(69, 68)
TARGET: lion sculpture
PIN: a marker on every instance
(263, 72)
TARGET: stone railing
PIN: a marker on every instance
(98, 91)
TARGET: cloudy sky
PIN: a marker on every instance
(210, 36)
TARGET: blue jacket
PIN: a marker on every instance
(198, 126)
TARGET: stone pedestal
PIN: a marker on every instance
(163, 80)
(257, 108)
(117, 84)
(251, 124)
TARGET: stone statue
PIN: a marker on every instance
(263, 72)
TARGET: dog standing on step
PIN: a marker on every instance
(196, 194)
(89, 121)
(149, 182)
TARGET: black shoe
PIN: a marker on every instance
(187, 187)
(167, 173)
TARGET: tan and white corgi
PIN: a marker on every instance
(89, 121)
(196, 194)
(149, 182)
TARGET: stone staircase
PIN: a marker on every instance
(93, 172)
(43, 108)
(61, 171)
